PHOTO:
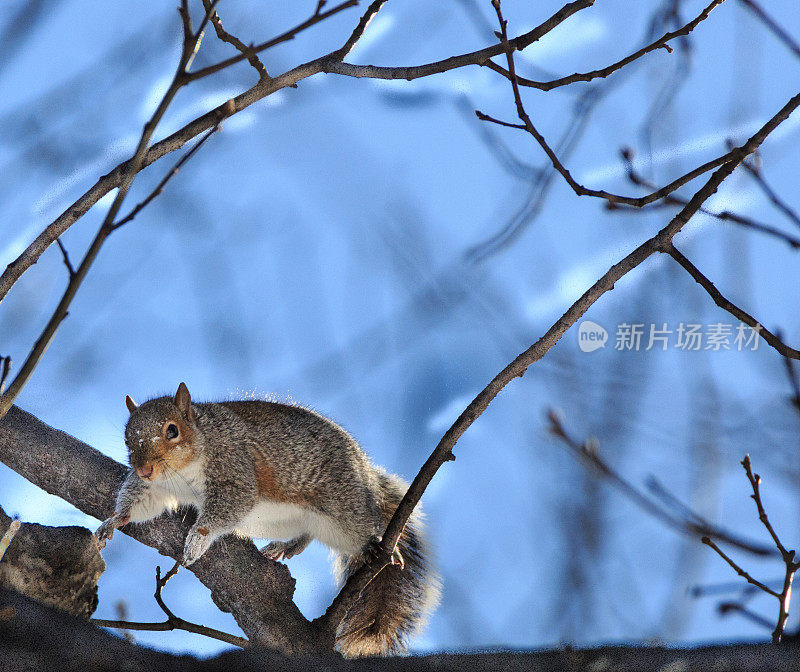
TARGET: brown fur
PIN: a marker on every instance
(267, 485)
(250, 452)
(162, 451)
(397, 603)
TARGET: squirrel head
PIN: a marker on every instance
(160, 435)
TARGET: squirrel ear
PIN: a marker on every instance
(130, 403)
(183, 400)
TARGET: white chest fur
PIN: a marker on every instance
(182, 487)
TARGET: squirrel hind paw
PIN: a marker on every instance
(374, 550)
(283, 550)
(274, 550)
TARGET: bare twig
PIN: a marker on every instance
(173, 622)
(191, 41)
(290, 34)
(163, 183)
(246, 51)
(788, 556)
(755, 483)
(637, 202)
(725, 215)
(687, 521)
(660, 43)
(480, 57)
(579, 189)
(773, 25)
(726, 305)
(261, 89)
(358, 31)
(65, 256)
(739, 570)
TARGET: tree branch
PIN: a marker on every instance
(687, 522)
(736, 568)
(517, 368)
(163, 183)
(358, 31)
(290, 78)
(173, 622)
(480, 57)
(35, 637)
(725, 215)
(247, 52)
(788, 557)
(733, 309)
(580, 190)
(257, 591)
(191, 42)
(660, 43)
(290, 34)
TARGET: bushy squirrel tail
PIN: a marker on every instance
(398, 601)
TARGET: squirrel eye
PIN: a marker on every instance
(172, 431)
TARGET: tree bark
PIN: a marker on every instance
(59, 566)
(34, 637)
(258, 592)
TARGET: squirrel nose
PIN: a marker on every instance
(145, 471)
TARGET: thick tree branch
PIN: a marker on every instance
(257, 591)
(59, 566)
(34, 637)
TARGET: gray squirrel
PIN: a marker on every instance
(277, 471)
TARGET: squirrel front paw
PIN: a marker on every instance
(198, 541)
(107, 527)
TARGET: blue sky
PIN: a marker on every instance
(318, 249)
